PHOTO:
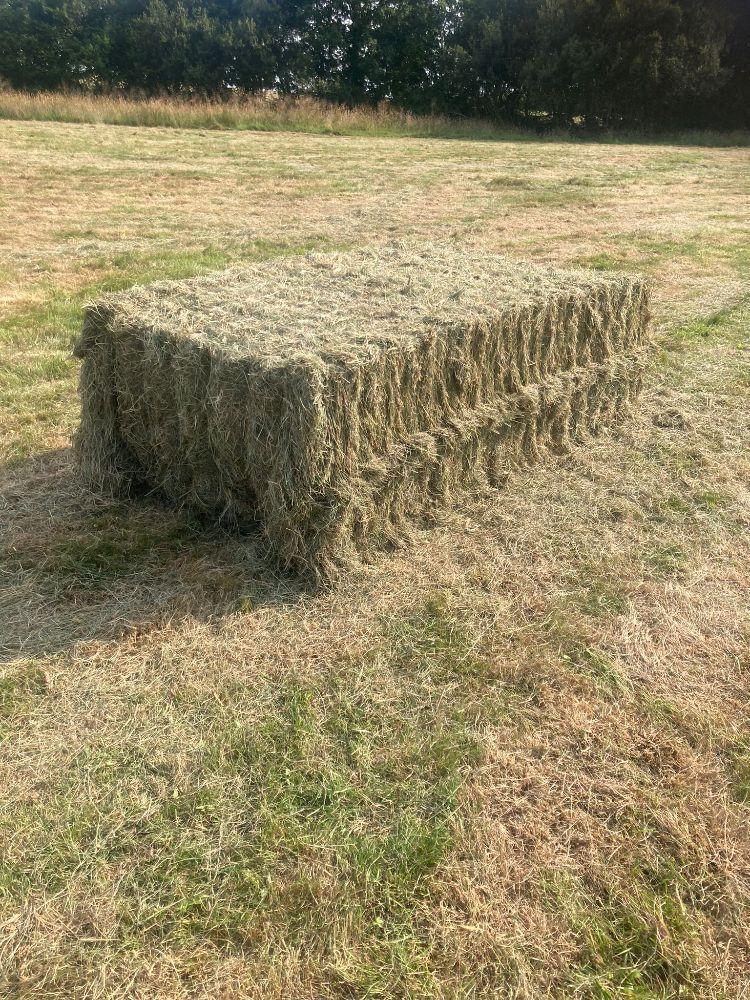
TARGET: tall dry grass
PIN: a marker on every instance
(243, 111)
(271, 113)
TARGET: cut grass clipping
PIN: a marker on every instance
(333, 397)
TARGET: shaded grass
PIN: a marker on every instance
(113, 546)
(110, 549)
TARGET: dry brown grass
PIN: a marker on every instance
(271, 112)
(513, 760)
(262, 113)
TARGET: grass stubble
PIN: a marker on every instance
(511, 760)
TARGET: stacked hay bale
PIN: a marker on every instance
(332, 397)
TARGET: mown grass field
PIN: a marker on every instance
(512, 760)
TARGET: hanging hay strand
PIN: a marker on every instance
(333, 397)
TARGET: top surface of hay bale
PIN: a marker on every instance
(337, 307)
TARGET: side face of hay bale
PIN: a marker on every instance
(333, 397)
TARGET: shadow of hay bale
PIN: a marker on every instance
(77, 566)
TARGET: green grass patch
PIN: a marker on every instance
(30, 412)
(604, 262)
(433, 639)
(665, 560)
(690, 505)
(707, 501)
(702, 328)
(639, 254)
(678, 721)
(20, 687)
(636, 940)
(510, 181)
(436, 646)
(530, 192)
(51, 324)
(725, 327)
(688, 460)
(655, 250)
(740, 774)
(578, 653)
(597, 596)
(51, 368)
(590, 663)
(662, 711)
(318, 822)
(552, 195)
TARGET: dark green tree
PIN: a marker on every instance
(634, 63)
(54, 43)
(172, 46)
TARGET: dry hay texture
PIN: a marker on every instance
(333, 397)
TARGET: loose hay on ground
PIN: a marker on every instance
(334, 396)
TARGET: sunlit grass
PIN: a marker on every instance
(508, 760)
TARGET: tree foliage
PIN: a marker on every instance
(648, 63)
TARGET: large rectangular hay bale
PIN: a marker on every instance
(333, 396)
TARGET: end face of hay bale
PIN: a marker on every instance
(331, 397)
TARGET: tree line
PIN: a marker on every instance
(598, 63)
